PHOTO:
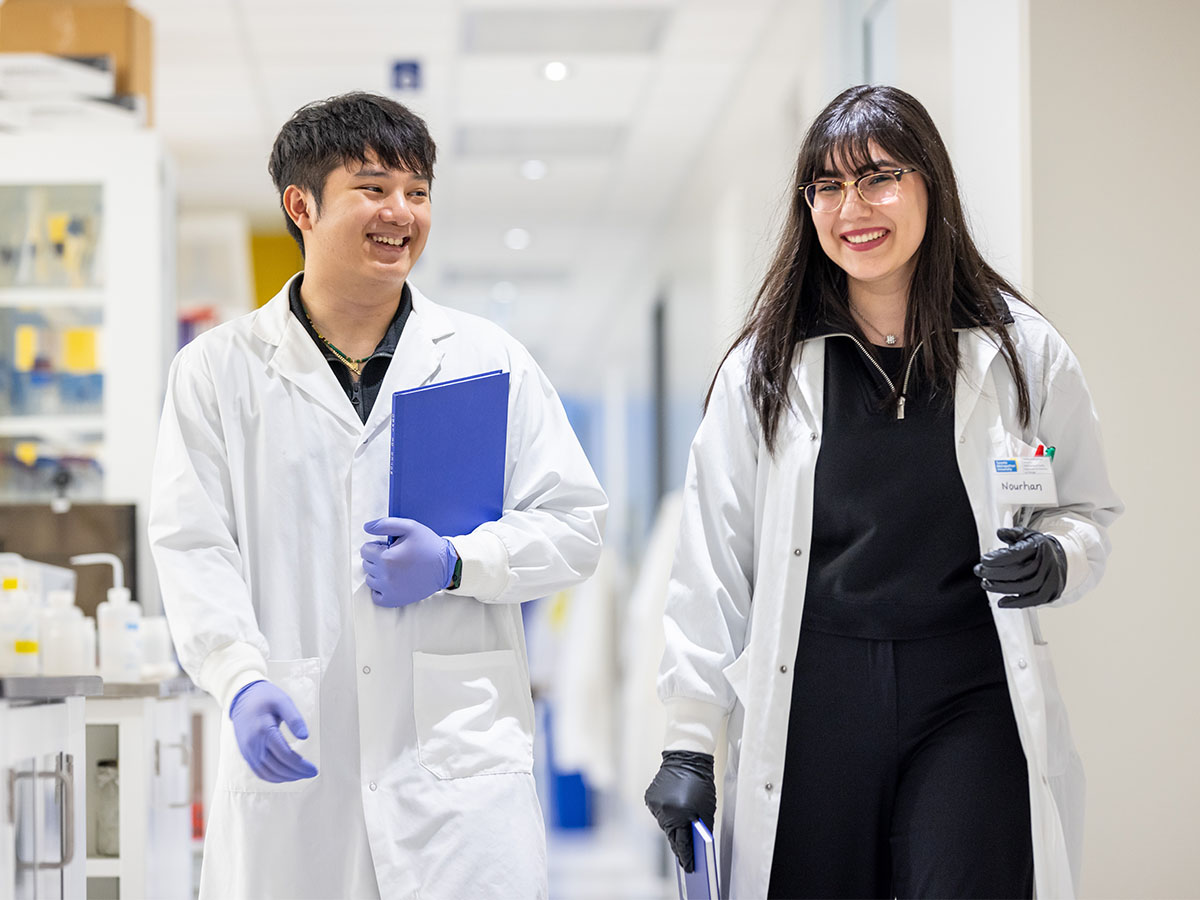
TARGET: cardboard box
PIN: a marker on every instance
(85, 28)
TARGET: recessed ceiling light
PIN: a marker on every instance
(517, 238)
(556, 70)
(533, 169)
(504, 292)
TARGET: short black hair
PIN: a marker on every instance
(338, 131)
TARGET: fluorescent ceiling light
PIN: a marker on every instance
(533, 169)
(517, 238)
(556, 70)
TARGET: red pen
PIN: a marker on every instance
(1041, 450)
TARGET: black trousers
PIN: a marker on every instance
(904, 774)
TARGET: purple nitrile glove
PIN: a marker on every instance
(417, 564)
(256, 712)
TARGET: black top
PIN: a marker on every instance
(361, 393)
(894, 536)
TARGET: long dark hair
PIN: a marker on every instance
(803, 287)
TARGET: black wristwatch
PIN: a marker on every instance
(456, 578)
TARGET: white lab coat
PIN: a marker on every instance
(737, 591)
(420, 718)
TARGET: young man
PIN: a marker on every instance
(379, 728)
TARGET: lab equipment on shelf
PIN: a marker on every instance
(118, 621)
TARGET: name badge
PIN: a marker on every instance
(1025, 481)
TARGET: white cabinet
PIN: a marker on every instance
(88, 321)
(42, 802)
(146, 730)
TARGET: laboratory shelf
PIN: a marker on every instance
(51, 426)
(33, 297)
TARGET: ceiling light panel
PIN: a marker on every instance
(563, 32)
(492, 188)
(601, 89)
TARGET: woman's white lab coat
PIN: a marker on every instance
(420, 718)
(737, 592)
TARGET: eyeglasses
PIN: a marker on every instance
(876, 188)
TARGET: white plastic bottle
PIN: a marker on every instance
(158, 657)
(60, 638)
(19, 631)
(88, 656)
(8, 632)
(118, 621)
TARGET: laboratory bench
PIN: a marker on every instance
(139, 754)
(42, 785)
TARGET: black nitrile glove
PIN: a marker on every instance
(684, 790)
(1032, 569)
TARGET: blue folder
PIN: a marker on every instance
(448, 442)
(701, 883)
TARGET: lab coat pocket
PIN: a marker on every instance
(474, 714)
(300, 679)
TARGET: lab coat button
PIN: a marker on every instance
(797, 552)
(963, 439)
(813, 436)
(770, 786)
(372, 786)
(366, 670)
(783, 669)
(1021, 664)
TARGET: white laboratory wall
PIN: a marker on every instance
(719, 238)
(1113, 126)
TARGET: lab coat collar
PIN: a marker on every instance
(418, 356)
(416, 361)
(977, 348)
(298, 359)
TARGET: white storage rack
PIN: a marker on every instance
(135, 296)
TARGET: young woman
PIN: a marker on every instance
(853, 597)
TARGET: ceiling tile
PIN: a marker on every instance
(625, 29)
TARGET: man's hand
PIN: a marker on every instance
(256, 712)
(415, 565)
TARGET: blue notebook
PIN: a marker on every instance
(448, 442)
(701, 883)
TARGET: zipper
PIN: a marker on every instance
(875, 363)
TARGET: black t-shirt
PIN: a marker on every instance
(361, 393)
(894, 537)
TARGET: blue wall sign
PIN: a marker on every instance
(406, 75)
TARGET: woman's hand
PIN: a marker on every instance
(683, 790)
(1032, 569)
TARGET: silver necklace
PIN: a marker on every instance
(889, 339)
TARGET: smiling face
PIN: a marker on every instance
(876, 246)
(372, 225)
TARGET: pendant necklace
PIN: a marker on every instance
(889, 339)
(354, 365)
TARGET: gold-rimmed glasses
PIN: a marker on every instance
(877, 188)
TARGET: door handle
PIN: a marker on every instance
(66, 837)
(184, 751)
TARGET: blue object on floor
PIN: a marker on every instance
(570, 796)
